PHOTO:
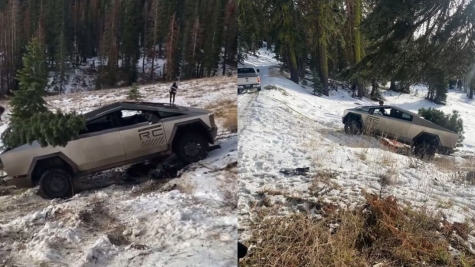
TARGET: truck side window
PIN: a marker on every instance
(100, 124)
(406, 117)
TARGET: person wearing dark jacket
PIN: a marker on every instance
(173, 90)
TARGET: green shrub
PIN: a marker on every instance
(134, 93)
(450, 121)
(317, 84)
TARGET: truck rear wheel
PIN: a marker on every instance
(55, 183)
(425, 150)
(192, 147)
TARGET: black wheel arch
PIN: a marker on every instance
(56, 160)
(429, 138)
(352, 116)
(196, 125)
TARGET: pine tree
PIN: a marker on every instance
(437, 82)
(73, 31)
(61, 49)
(134, 93)
(155, 33)
(130, 38)
(318, 88)
(30, 118)
(230, 31)
(171, 49)
(450, 121)
(33, 79)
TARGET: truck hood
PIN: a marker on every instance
(35, 144)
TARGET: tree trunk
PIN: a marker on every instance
(322, 48)
(323, 66)
(153, 65)
(361, 89)
(357, 31)
(225, 54)
(301, 67)
(470, 94)
(392, 86)
(373, 87)
(294, 72)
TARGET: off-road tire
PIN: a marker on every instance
(259, 89)
(425, 150)
(239, 91)
(56, 183)
(192, 147)
(353, 127)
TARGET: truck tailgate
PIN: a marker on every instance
(247, 80)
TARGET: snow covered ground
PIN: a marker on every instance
(187, 221)
(287, 127)
(83, 77)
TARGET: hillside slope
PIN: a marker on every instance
(285, 126)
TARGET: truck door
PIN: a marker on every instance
(101, 143)
(145, 137)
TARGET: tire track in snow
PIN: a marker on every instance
(245, 110)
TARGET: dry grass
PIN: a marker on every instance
(387, 159)
(290, 199)
(414, 163)
(383, 232)
(388, 177)
(231, 121)
(226, 111)
(228, 186)
(445, 204)
(445, 164)
(362, 154)
(322, 177)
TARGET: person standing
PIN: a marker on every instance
(173, 91)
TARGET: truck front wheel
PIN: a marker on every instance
(192, 147)
(353, 127)
(55, 183)
(425, 150)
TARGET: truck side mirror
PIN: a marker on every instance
(257, 70)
